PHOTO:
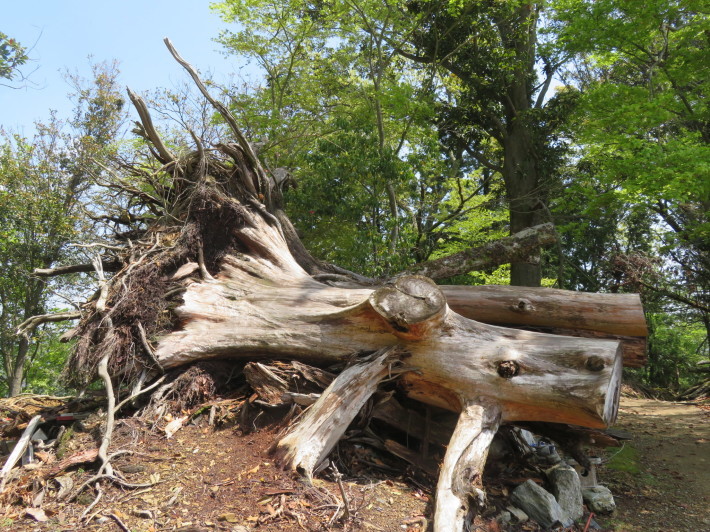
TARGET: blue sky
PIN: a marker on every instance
(63, 33)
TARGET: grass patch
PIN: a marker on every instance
(624, 459)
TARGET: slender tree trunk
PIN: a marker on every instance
(18, 369)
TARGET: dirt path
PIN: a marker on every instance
(661, 477)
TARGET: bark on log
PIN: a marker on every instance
(614, 316)
(518, 247)
(259, 297)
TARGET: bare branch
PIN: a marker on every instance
(515, 248)
(148, 129)
(108, 266)
(30, 324)
(229, 118)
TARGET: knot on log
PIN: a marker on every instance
(523, 305)
(595, 363)
(411, 306)
(508, 369)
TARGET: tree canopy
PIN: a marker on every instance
(12, 56)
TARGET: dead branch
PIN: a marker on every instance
(120, 523)
(138, 393)
(229, 118)
(147, 129)
(99, 494)
(515, 248)
(110, 415)
(19, 449)
(112, 265)
(28, 326)
(339, 479)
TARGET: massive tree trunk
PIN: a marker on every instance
(224, 275)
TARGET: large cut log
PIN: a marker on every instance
(260, 295)
(265, 305)
(614, 316)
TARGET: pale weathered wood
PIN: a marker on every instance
(310, 441)
(411, 306)
(267, 384)
(19, 450)
(254, 309)
(461, 475)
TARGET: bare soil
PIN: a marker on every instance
(208, 479)
(662, 482)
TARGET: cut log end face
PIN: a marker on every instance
(412, 306)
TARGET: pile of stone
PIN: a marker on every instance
(569, 488)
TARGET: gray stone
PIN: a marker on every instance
(567, 489)
(504, 517)
(540, 505)
(517, 513)
(599, 499)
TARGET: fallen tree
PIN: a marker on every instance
(220, 273)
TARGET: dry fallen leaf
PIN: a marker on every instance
(37, 514)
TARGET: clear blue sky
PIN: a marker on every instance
(65, 32)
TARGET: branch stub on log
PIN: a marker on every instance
(411, 306)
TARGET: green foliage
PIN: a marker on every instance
(354, 122)
(12, 56)
(674, 349)
(44, 184)
(46, 361)
(642, 176)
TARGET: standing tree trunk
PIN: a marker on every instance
(17, 373)
(522, 157)
(521, 181)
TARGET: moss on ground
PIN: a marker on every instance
(624, 459)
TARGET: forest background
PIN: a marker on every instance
(400, 132)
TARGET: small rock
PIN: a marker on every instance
(504, 517)
(567, 489)
(599, 499)
(540, 505)
(517, 513)
(132, 468)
